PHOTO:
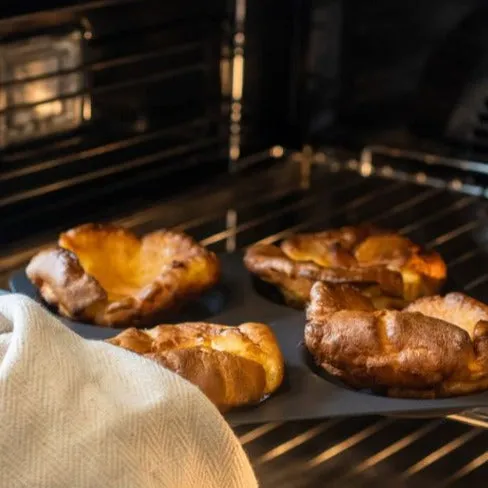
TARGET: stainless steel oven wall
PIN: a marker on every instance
(380, 68)
(106, 105)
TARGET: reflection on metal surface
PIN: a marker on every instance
(112, 170)
(87, 154)
(476, 418)
(476, 282)
(296, 441)
(438, 241)
(468, 468)
(366, 169)
(406, 205)
(348, 443)
(395, 447)
(464, 185)
(421, 178)
(258, 432)
(441, 452)
(429, 159)
(306, 161)
(464, 257)
(237, 83)
(87, 28)
(225, 72)
(237, 77)
(231, 225)
(459, 204)
(277, 152)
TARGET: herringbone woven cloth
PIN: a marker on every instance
(77, 413)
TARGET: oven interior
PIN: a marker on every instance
(244, 121)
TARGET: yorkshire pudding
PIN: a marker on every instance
(105, 275)
(233, 366)
(436, 347)
(389, 268)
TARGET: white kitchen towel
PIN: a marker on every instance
(78, 413)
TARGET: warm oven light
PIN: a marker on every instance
(38, 91)
(42, 87)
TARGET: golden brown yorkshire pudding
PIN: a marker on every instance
(233, 366)
(389, 268)
(105, 275)
(436, 347)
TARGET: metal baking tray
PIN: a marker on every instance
(305, 393)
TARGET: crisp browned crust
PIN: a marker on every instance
(389, 268)
(105, 275)
(437, 347)
(233, 366)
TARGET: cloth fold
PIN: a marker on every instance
(79, 413)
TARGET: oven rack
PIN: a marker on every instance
(308, 190)
(367, 452)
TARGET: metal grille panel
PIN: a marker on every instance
(150, 84)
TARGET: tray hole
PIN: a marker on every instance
(272, 293)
